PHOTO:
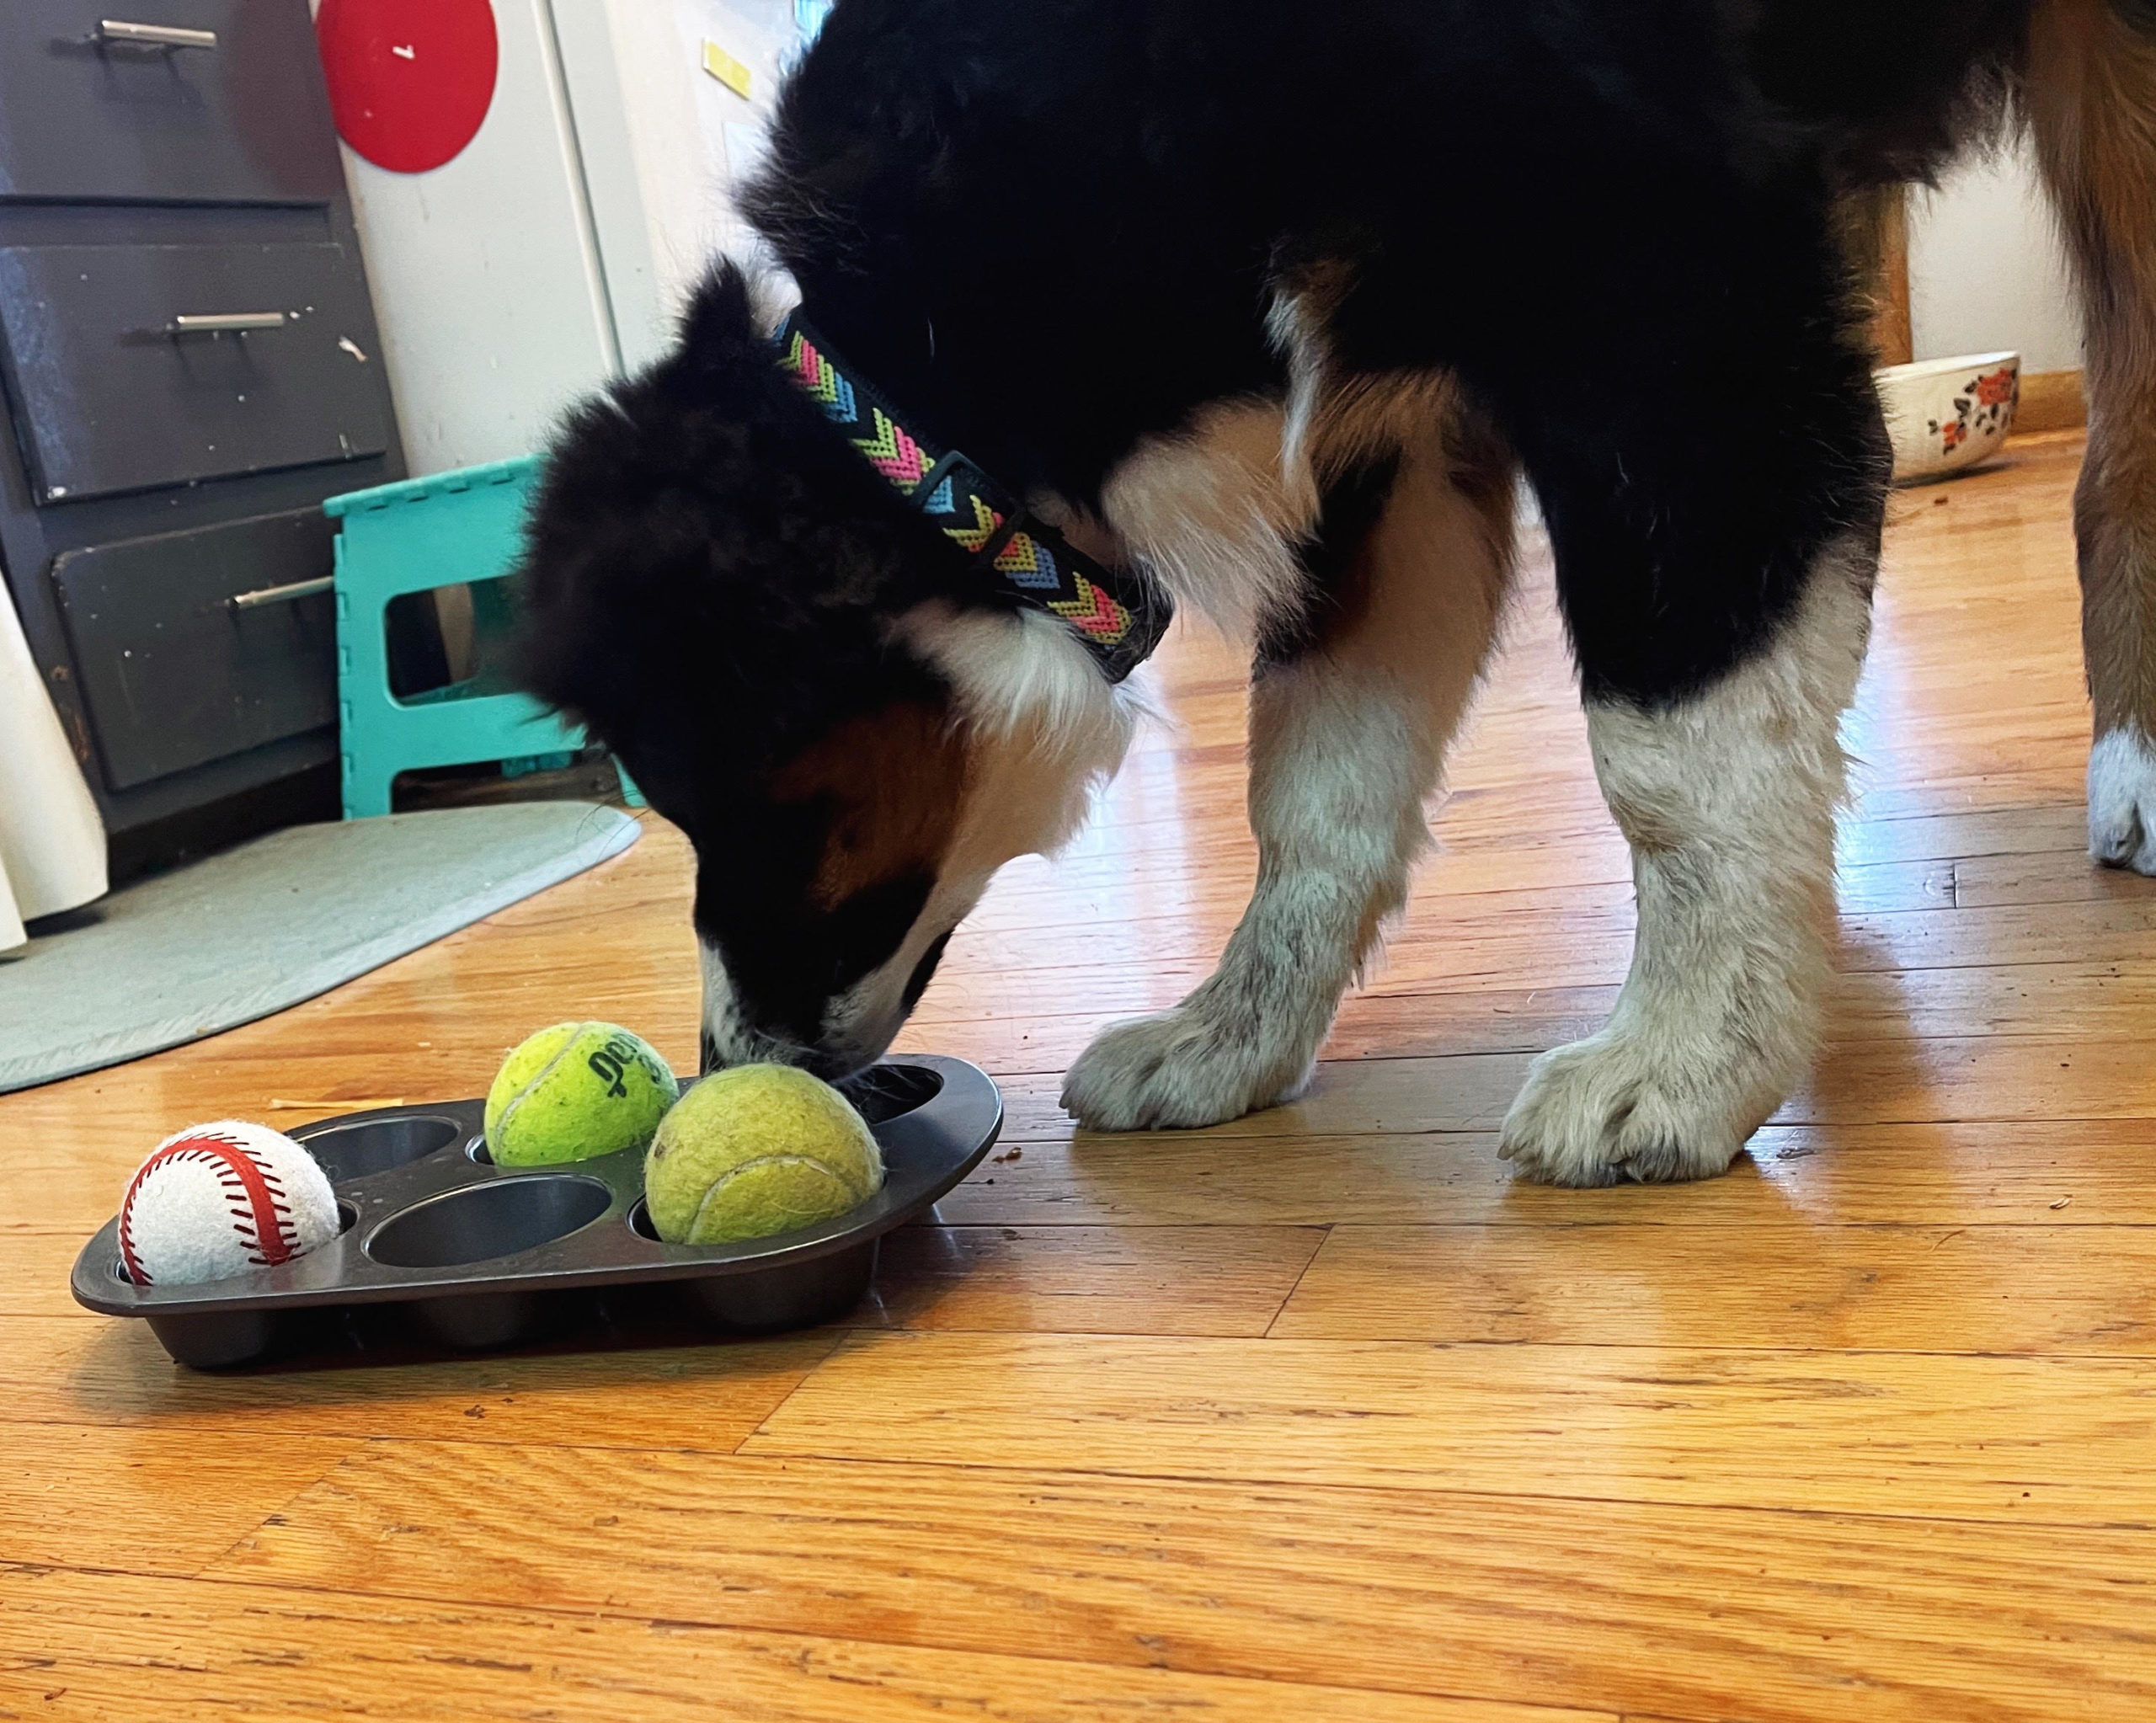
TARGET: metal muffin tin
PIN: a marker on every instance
(480, 1255)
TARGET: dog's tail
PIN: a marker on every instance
(2088, 91)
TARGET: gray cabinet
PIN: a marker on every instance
(189, 364)
(133, 366)
(88, 115)
(196, 646)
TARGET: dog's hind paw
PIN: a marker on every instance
(2122, 802)
(1177, 1071)
(1611, 1108)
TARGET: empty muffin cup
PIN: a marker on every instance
(882, 1093)
(367, 1147)
(481, 1222)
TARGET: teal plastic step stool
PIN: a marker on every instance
(452, 527)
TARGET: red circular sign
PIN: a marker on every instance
(410, 81)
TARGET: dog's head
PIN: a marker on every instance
(790, 663)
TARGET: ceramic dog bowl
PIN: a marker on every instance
(477, 1255)
(1946, 415)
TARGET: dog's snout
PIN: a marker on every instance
(836, 1064)
(832, 1062)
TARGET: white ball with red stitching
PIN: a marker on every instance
(222, 1199)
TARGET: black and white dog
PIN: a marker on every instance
(1261, 309)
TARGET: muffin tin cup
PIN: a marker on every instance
(480, 1255)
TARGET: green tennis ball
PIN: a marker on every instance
(575, 1092)
(756, 1150)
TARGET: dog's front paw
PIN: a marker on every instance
(1177, 1071)
(1614, 1107)
(2122, 802)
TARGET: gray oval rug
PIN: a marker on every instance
(238, 935)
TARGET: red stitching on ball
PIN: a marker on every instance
(265, 1223)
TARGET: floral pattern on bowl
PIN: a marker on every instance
(1945, 415)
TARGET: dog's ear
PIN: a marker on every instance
(721, 330)
(710, 570)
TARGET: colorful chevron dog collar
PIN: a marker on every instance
(1120, 617)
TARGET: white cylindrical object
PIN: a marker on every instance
(52, 851)
(13, 933)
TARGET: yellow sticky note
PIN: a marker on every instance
(729, 71)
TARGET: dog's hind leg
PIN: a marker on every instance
(2091, 95)
(1352, 709)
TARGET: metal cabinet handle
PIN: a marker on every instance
(153, 35)
(280, 595)
(225, 322)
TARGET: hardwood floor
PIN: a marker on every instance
(1316, 1416)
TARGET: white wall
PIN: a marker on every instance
(662, 140)
(1985, 269)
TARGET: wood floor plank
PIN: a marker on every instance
(2092, 1000)
(1135, 971)
(1080, 888)
(35, 1265)
(98, 1370)
(1208, 910)
(2098, 1000)
(1549, 939)
(79, 1646)
(1898, 916)
(2115, 930)
(1977, 1077)
(1180, 1179)
(1374, 1024)
(2066, 1441)
(1935, 812)
(2047, 1173)
(1948, 1080)
(81, 1497)
(1908, 885)
(1469, 1092)
(1219, 1280)
(2053, 827)
(1771, 1617)
(1983, 881)
(2085, 1291)
(2080, 1001)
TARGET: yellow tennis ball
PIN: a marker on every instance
(756, 1150)
(575, 1092)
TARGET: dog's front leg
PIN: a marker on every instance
(1349, 725)
(1727, 799)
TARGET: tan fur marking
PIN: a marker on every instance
(1213, 513)
(1339, 419)
(896, 781)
